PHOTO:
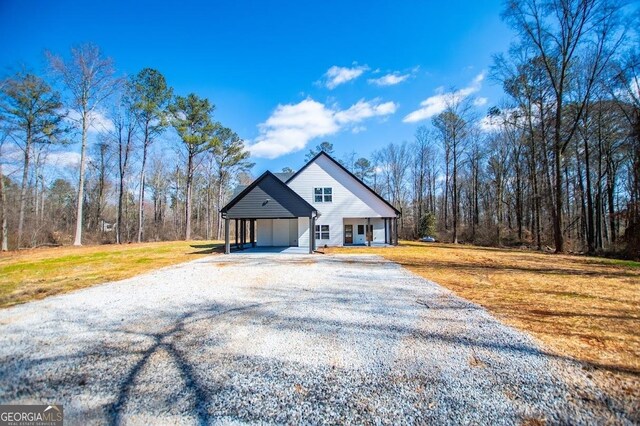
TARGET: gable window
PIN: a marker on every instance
(322, 232)
(323, 195)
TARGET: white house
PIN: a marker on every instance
(280, 209)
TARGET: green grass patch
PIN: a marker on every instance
(38, 273)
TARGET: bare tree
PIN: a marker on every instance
(422, 160)
(558, 31)
(89, 80)
(394, 162)
(452, 126)
(4, 230)
(123, 138)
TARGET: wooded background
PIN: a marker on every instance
(556, 166)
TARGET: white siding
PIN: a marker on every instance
(293, 232)
(350, 200)
(303, 232)
(278, 232)
(264, 234)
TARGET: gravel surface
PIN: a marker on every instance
(266, 339)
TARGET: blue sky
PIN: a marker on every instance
(285, 75)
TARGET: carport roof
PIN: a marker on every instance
(268, 197)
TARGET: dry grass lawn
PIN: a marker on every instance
(38, 273)
(583, 307)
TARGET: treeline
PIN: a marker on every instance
(117, 121)
(557, 167)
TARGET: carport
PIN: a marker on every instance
(271, 201)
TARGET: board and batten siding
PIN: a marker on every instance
(277, 232)
(267, 198)
(350, 200)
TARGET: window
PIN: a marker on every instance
(360, 229)
(322, 232)
(322, 195)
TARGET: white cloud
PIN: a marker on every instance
(336, 75)
(63, 159)
(389, 79)
(437, 103)
(292, 126)
(365, 109)
(98, 121)
(478, 102)
(358, 129)
(393, 78)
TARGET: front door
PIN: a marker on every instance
(348, 234)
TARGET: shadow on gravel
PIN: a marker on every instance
(207, 248)
(505, 382)
(168, 341)
(263, 389)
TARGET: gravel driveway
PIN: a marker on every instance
(284, 339)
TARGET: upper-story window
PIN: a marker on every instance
(323, 195)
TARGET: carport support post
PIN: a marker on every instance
(369, 236)
(395, 227)
(386, 238)
(237, 229)
(227, 245)
(252, 232)
(312, 234)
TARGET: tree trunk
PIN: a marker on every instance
(455, 195)
(141, 196)
(446, 190)
(499, 211)
(101, 185)
(36, 199)
(583, 201)
(4, 237)
(120, 208)
(610, 201)
(557, 219)
(187, 205)
(80, 205)
(220, 200)
(519, 209)
(590, 211)
(23, 186)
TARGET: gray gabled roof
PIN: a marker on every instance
(267, 197)
(282, 176)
